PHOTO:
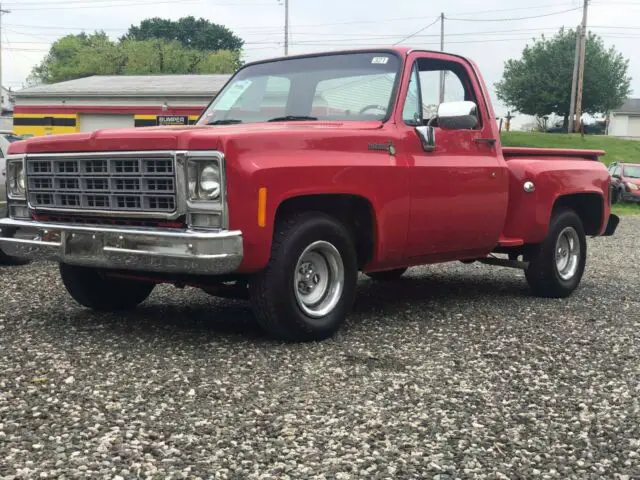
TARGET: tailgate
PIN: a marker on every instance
(551, 153)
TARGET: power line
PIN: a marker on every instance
(271, 45)
(129, 4)
(350, 40)
(512, 19)
(419, 31)
(346, 36)
(476, 12)
(262, 28)
(54, 4)
(11, 49)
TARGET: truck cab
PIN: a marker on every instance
(301, 173)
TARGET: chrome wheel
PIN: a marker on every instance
(567, 253)
(319, 279)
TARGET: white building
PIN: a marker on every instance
(91, 103)
(625, 121)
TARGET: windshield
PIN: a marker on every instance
(632, 172)
(350, 86)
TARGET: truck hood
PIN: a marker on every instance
(193, 137)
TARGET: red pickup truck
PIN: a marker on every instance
(301, 173)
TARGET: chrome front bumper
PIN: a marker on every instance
(153, 250)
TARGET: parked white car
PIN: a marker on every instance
(7, 137)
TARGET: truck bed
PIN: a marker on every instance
(551, 153)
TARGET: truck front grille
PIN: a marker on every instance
(145, 184)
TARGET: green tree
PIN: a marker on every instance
(200, 33)
(160, 56)
(77, 56)
(539, 83)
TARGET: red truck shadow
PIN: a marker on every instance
(198, 318)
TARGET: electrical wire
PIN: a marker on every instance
(123, 5)
(260, 29)
(512, 19)
(533, 7)
(419, 31)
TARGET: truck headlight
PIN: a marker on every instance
(204, 180)
(632, 186)
(16, 180)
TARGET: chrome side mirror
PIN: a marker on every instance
(427, 137)
(457, 115)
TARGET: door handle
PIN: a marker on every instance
(489, 141)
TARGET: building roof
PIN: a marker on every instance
(630, 105)
(196, 85)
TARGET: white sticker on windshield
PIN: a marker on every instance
(231, 96)
(380, 60)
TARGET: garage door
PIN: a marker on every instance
(91, 122)
(634, 127)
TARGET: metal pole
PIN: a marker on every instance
(2, 12)
(286, 27)
(442, 50)
(583, 47)
(574, 82)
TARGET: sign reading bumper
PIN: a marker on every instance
(169, 251)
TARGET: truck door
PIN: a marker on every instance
(459, 189)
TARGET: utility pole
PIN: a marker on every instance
(286, 27)
(442, 50)
(574, 82)
(583, 47)
(2, 12)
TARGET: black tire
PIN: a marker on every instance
(272, 294)
(9, 260)
(92, 289)
(387, 275)
(615, 196)
(543, 274)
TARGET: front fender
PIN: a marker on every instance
(383, 187)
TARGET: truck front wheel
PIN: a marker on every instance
(556, 265)
(308, 288)
(92, 289)
(9, 260)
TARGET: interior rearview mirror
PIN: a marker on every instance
(457, 115)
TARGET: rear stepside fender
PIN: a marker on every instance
(540, 186)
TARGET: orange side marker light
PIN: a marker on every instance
(262, 207)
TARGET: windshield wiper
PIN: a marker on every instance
(291, 118)
(226, 121)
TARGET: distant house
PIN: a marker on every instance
(7, 101)
(91, 103)
(625, 121)
(6, 109)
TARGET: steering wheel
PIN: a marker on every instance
(368, 107)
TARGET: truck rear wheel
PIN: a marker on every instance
(308, 288)
(387, 275)
(615, 196)
(556, 266)
(92, 289)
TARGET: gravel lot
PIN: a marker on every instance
(452, 372)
